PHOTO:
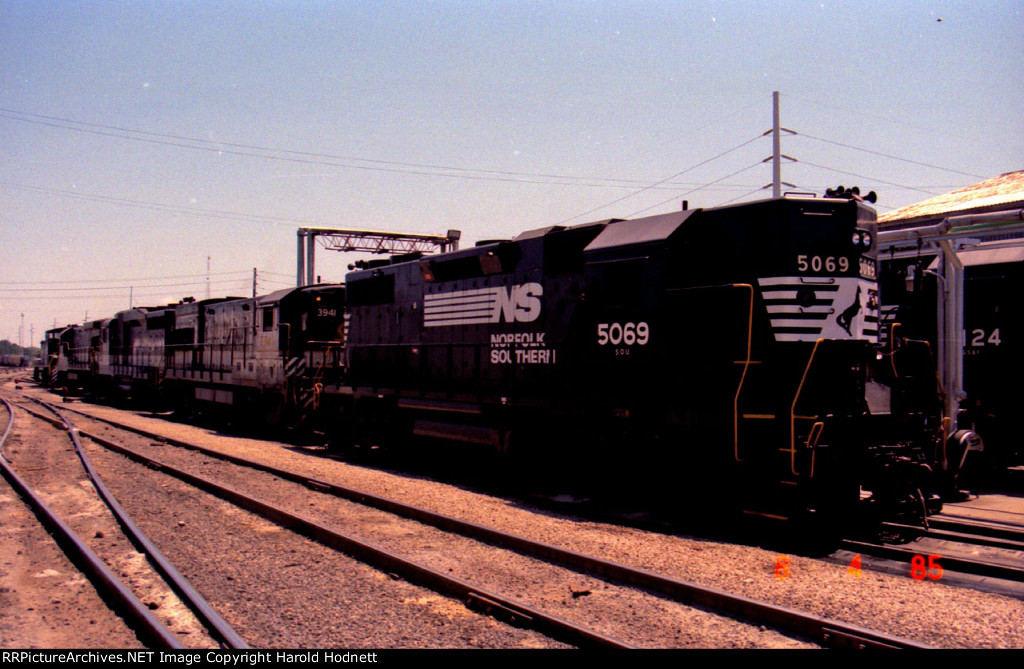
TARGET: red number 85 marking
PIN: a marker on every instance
(918, 571)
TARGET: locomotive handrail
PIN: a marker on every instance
(743, 374)
(793, 416)
(892, 348)
(813, 436)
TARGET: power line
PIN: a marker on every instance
(861, 176)
(306, 157)
(748, 167)
(275, 282)
(125, 281)
(157, 206)
(117, 287)
(860, 111)
(887, 155)
(647, 188)
(740, 197)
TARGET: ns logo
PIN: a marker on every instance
(520, 304)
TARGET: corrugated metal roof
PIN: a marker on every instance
(1005, 189)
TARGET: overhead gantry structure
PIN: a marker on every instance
(365, 241)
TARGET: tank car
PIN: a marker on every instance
(728, 353)
(14, 360)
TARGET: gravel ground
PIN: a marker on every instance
(276, 588)
(43, 457)
(619, 612)
(926, 611)
(45, 602)
(280, 590)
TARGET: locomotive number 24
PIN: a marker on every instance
(981, 338)
(623, 333)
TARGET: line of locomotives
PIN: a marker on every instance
(727, 354)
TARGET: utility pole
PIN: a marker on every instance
(207, 277)
(776, 148)
(254, 283)
(777, 155)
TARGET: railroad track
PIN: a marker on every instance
(984, 533)
(986, 556)
(491, 604)
(819, 630)
(121, 598)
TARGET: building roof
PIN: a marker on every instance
(1001, 192)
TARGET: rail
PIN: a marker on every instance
(219, 628)
(827, 632)
(110, 588)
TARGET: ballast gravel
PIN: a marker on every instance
(925, 611)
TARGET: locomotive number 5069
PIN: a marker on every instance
(818, 263)
(623, 333)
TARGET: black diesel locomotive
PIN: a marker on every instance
(268, 356)
(731, 351)
(993, 324)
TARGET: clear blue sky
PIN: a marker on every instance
(128, 129)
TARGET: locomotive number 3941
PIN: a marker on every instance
(623, 333)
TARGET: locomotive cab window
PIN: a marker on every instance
(268, 319)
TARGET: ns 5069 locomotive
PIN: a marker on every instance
(729, 352)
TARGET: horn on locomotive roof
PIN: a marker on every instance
(851, 194)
